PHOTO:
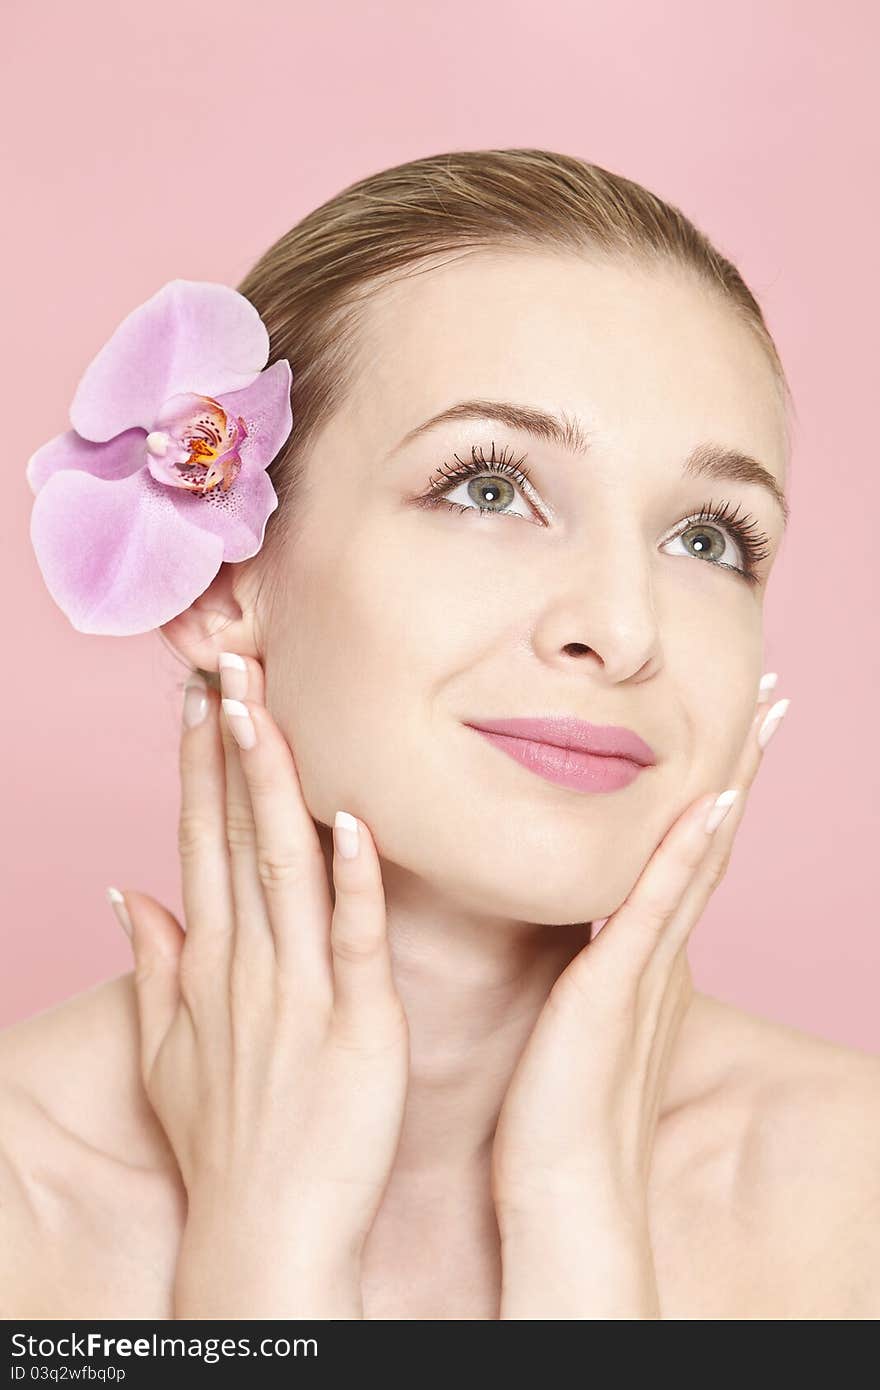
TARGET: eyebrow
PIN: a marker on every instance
(707, 460)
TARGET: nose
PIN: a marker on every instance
(602, 613)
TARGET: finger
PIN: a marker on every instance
(288, 863)
(157, 941)
(631, 934)
(364, 989)
(713, 868)
(668, 899)
(204, 855)
(253, 930)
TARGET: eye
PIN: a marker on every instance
(708, 541)
(482, 485)
(494, 494)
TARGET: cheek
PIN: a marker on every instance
(711, 647)
(721, 726)
(714, 652)
(369, 643)
(400, 610)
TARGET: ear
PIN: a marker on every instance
(222, 619)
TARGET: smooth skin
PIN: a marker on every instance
(748, 1153)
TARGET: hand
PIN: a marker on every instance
(573, 1144)
(274, 1046)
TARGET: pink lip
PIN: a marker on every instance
(586, 757)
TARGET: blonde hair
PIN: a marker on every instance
(312, 285)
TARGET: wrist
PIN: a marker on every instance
(603, 1204)
(569, 1259)
(239, 1261)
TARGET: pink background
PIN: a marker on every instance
(149, 142)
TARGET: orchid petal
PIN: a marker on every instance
(117, 458)
(265, 408)
(191, 336)
(119, 557)
(238, 517)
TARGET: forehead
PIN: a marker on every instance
(648, 359)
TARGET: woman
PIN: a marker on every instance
(538, 470)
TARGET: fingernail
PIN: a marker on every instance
(117, 902)
(240, 723)
(195, 701)
(766, 686)
(771, 722)
(233, 675)
(720, 809)
(345, 835)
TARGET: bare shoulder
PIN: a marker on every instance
(798, 1080)
(801, 1120)
(78, 1141)
(78, 1064)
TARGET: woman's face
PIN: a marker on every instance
(396, 623)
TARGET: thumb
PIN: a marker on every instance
(157, 940)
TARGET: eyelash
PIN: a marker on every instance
(753, 547)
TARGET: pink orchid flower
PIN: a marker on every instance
(163, 476)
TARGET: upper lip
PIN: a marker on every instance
(563, 731)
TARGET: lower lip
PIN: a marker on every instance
(583, 772)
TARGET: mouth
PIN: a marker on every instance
(573, 735)
(550, 749)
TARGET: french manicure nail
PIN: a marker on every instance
(240, 723)
(720, 809)
(346, 834)
(117, 902)
(772, 720)
(233, 675)
(766, 686)
(195, 701)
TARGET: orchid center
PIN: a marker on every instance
(195, 444)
